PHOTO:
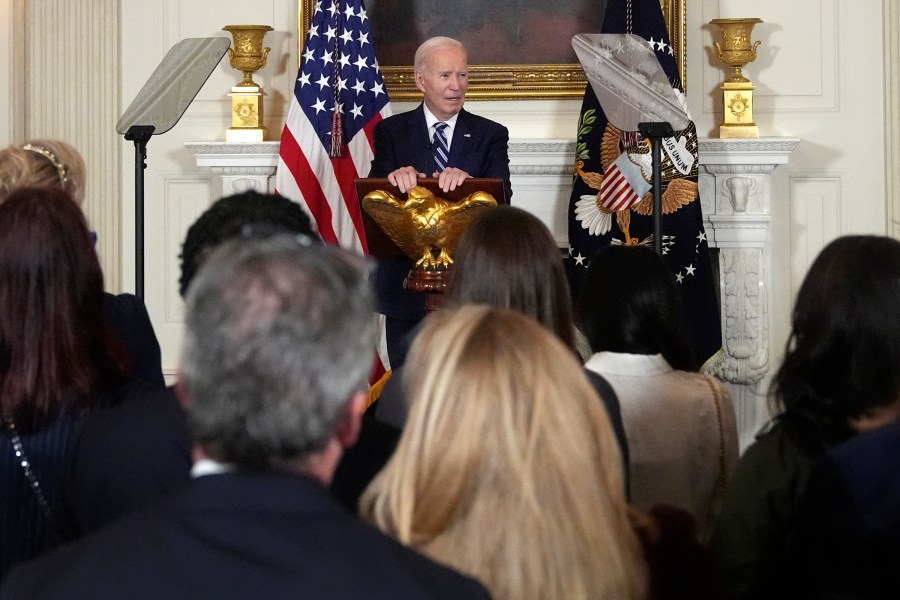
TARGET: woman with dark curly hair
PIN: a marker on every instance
(840, 376)
(58, 359)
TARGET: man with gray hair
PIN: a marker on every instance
(438, 138)
(278, 344)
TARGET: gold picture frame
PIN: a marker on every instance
(516, 81)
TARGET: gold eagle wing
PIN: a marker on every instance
(457, 217)
(679, 192)
(395, 220)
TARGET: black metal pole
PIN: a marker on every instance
(657, 196)
(140, 135)
(655, 132)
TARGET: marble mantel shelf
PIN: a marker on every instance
(769, 150)
(243, 166)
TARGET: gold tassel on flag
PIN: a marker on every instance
(337, 133)
(337, 124)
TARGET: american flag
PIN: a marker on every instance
(338, 99)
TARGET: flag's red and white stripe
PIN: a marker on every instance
(338, 75)
(623, 185)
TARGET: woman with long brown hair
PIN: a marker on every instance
(56, 164)
(57, 359)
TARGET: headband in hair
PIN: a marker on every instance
(61, 169)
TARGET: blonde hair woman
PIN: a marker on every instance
(508, 468)
(42, 163)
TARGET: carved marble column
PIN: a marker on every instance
(242, 166)
(736, 191)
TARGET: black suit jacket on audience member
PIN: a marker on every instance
(128, 320)
(127, 457)
(239, 536)
(479, 146)
(847, 540)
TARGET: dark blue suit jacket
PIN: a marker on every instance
(479, 147)
(847, 541)
(128, 457)
(239, 536)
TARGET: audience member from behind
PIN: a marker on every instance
(42, 163)
(278, 346)
(56, 164)
(58, 361)
(839, 376)
(682, 437)
(508, 469)
(506, 258)
(131, 455)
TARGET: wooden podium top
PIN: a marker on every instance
(379, 243)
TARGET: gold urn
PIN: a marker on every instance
(736, 50)
(248, 56)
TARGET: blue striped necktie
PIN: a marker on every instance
(441, 152)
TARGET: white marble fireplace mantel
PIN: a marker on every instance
(736, 191)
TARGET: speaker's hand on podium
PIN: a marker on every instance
(404, 178)
(451, 178)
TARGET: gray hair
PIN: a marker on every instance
(431, 45)
(279, 336)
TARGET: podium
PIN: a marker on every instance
(430, 281)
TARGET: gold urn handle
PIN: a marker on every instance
(247, 55)
(737, 59)
(736, 49)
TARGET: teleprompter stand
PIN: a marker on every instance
(655, 132)
(157, 108)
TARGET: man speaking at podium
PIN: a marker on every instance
(436, 139)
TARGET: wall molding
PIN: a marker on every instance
(71, 93)
(892, 115)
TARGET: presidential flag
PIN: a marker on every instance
(326, 144)
(338, 99)
(611, 201)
